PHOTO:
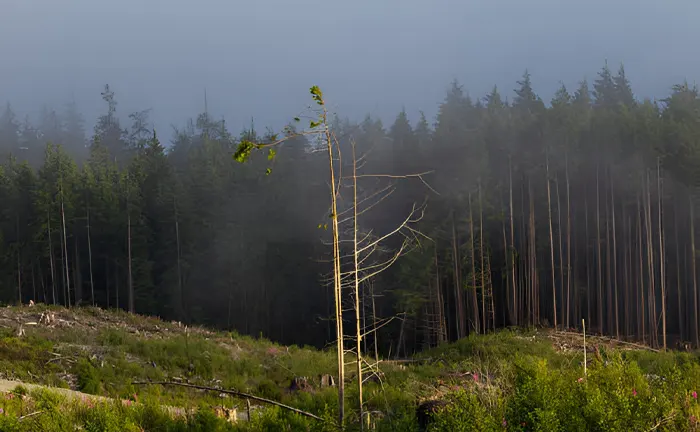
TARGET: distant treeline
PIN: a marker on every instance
(541, 214)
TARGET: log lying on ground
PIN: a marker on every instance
(233, 393)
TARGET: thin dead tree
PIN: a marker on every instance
(568, 241)
(696, 326)
(65, 249)
(662, 254)
(512, 246)
(564, 304)
(128, 239)
(614, 258)
(19, 261)
(475, 300)
(92, 283)
(551, 244)
(365, 246)
(320, 128)
(51, 257)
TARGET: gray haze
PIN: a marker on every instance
(257, 58)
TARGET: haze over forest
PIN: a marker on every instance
(562, 141)
(257, 59)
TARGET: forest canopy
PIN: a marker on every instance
(538, 213)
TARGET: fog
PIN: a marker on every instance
(257, 59)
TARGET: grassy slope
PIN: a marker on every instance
(506, 381)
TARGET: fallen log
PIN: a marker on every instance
(233, 393)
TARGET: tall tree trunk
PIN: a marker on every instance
(356, 257)
(653, 327)
(641, 316)
(507, 297)
(564, 304)
(77, 275)
(34, 284)
(588, 261)
(337, 282)
(19, 261)
(65, 252)
(107, 280)
(51, 258)
(678, 272)
(92, 282)
(375, 337)
(609, 304)
(551, 245)
(696, 326)
(459, 303)
(628, 274)
(484, 289)
(442, 336)
(599, 254)
(533, 260)
(614, 258)
(128, 238)
(568, 239)
(516, 318)
(475, 300)
(662, 255)
(179, 265)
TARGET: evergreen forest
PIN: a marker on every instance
(521, 212)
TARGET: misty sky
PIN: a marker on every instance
(259, 57)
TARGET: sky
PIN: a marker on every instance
(258, 58)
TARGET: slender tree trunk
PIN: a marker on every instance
(475, 301)
(653, 326)
(179, 257)
(641, 315)
(568, 239)
(374, 323)
(356, 252)
(484, 290)
(678, 272)
(662, 254)
(628, 273)
(77, 278)
(506, 280)
(551, 246)
(92, 282)
(116, 283)
(599, 254)
(336, 276)
(442, 336)
(614, 258)
(65, 252)
(564, 304)
(107, 280)
(128, 238)
(589, 289)
(459, 303)
(51, 258)
(34, 284)
(696, 326)
(19, 261)
(533, 260)
(516, 318)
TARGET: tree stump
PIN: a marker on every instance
(425, 411)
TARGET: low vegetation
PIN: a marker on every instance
(507, 381)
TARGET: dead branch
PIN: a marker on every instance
(608, 339)
(233, 393)
(30, 415)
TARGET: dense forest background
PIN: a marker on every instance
(536, 214)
